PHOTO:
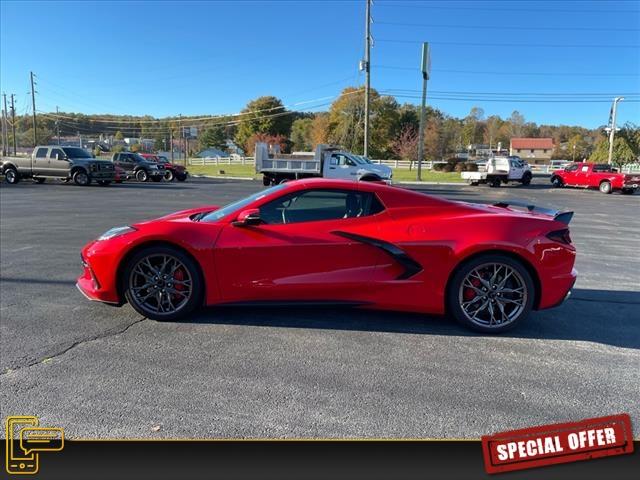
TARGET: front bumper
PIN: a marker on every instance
(94, 289)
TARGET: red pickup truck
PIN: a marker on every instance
(595, 175)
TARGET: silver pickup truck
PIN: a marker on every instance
(53, 161)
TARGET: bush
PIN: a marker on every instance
(438, 166)
(471, 167)
(448, 167)
(460, 167)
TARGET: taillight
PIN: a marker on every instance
(561, 236)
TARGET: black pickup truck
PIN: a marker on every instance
(136, 166)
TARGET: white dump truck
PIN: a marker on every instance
(499, 170)
(327, 161)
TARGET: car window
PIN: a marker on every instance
(318, 205)
(602, 168)
(56, 151)
(572, 168)
(41, 153)
(585, 168)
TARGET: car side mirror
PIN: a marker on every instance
(247, 218)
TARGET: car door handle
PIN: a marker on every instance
(332, 168)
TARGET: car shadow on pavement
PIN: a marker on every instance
(600, 316)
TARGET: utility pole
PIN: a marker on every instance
(5, 138)
(13, 124)
(425, 67)
(57, 125)
(367, 68)
(612, 119)
(33, 102)
(171, 142)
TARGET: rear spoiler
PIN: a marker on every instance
(563, 217)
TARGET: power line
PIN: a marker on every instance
(484, 72)
(562, 94)
(503, 9)
(537, 45)
(508, 27)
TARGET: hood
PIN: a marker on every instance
(382, 170)
(180, 215)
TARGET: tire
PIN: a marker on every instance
(156, 179)
(495, 182)
(81, 178)
(628, 191)
(11, 176)
(605, 187)
(556, 182)
(40, 181)
(142, 175)
(118, 181)
(266, 181)
(137, 275)
(283, 180)
(169, 176)
(526, 178)
(467, 291)
(104, 183)
(181, 178)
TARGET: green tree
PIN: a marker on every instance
(622, 152)
(265, 115)
(302, 134)
(214, 136)
(516, 124)
(119, 136)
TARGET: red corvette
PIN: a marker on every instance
(348, 243)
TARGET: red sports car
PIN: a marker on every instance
(348, 243)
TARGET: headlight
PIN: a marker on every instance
(116, 232)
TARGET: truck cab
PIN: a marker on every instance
(136, 166)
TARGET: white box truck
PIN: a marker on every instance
(327, 161)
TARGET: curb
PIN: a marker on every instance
(218, 177)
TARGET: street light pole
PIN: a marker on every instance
(612, 133)
(425, 67)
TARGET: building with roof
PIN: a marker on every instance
(533, 150)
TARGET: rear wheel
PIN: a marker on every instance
(141, 175)
(491, 293)
(169, 176)
(82, 178)
(494, 182)
(605, 187)
(162, 283)
(11, 176)
(526, 178)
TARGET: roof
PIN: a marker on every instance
(533, 143)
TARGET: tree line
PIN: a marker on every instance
(394, 129)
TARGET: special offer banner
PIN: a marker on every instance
(558, 443)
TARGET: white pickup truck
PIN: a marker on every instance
(327, 161)
(500, 170)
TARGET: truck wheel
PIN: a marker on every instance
(104, 183)
(628, 191)
(82, 178)
(181, 178)
(11, 176)
(526, 178)
(141, 175)
(495, 182)
(266, 181)
(169, 176)
(473, 184)
(556, 181)
(605, 187)
(39, 180)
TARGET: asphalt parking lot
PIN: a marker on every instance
(104, 372)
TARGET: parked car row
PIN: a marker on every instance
(77, 165)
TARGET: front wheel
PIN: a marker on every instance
(526, 179)
(556, 181)
(181, 178)
(142, 175)
(495, 182)
(605, 187)
(628, 191)
(492, 293)
(11, 176)
(81, 178)
(163, 283)
(169, 176)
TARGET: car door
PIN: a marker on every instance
(342, 166)
(58, 164)
(515, 169)
(569, 174)
(296, 254)
(126, 163)
(41, 161)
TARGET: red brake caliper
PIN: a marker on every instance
(469, 293)
(178, 276)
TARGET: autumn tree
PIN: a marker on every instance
(302, 134)
(405, 146)
(264, 115)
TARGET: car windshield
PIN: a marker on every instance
(236, 206)
(362, 159)
(73, 152)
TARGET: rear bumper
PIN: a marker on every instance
(558, 290)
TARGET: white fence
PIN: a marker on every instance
(406, 164)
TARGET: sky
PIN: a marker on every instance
(556, 62)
